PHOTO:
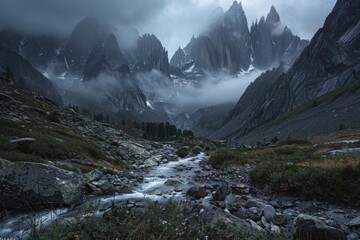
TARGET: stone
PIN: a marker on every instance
(177, 189)
(196, 192)
(287, 204)
(157, 193)
(352, 236)
(278, 220)
(269, 212)
(354, 222)
(27, 185)
(107, 188)
(310, 227)
(254, 225)
(221, 193)
(264, 222)
(254, 213)
(94, 175)
(123, 189)
(254, 203)
(240, 189)
(171, 182)
(275, 229)
(151, 162)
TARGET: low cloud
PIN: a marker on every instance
(214, 90)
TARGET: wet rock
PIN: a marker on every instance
(94, 190)
(309, 227)
(221, 193)
(157, 193)
(196, 192)
(150, 162)
(177, 189)
(123, 189)
(107, 188)
(171, 182)
(269, 212)
(27, 185)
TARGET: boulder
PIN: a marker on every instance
(123, 189)
(354, 224)
(150, 162)
(269, 212)
(94, 175)
(254, 213)
(171, 182)
(221, 193)
(26, 185)
(308, 227)
(105, 185)
(196, 192)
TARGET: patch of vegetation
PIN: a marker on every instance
(182, 152)
(196, 150)
(52, 142)
(334, 184)
(155, 222)
(298, 168)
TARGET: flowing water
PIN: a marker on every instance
(152, 188)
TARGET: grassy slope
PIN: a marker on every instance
(300, 169)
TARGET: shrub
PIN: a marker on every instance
(196, 150)
(182, 152)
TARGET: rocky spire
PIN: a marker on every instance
(273, 16)
(235, 19)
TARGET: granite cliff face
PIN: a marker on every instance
(150, 54)
(273, 43)
(230, 45)
(330, 63)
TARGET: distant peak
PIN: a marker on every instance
(237, 6)
(273, 16)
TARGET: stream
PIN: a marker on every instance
(152, 188)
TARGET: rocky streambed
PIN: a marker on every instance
(212, 194)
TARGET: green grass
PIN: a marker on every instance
(299, 169)
(52, 142)
(155, 222)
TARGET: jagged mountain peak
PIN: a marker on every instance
(273, 16)
(235, 19)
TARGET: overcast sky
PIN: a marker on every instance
(172, 21)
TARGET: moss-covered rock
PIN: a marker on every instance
(26, 185)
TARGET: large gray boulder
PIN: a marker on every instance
(26, 185)
(309, 227)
